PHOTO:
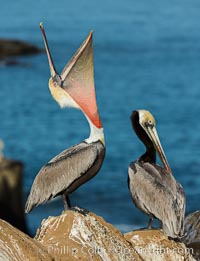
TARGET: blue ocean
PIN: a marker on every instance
(146, 56)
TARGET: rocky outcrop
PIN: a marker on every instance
(77, 236)
(11, 198)
(82, 235)
(152, 244)
(17, 246)
(9, 47)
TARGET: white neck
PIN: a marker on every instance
(96, 134)
(65, 100)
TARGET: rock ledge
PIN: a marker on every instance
(81, 235)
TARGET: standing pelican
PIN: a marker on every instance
(76, 165)
(153, 188)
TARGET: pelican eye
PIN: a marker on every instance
(149, 123)
(57, 81)
(55, 84)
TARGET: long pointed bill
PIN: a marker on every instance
(156, 141)
(51, 64)
(78, 81)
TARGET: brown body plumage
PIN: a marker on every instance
(66, 172)
(192, 228)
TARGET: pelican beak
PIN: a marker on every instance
(75, 86)
(78, 81)
(51, 64)
(153, 135)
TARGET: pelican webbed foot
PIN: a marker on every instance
(80, 210)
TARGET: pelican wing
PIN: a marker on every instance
(156, 192)
(62, 171)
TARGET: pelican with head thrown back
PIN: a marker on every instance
(153, 188)
(74, 87)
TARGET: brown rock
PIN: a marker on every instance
(154, 245)
(75, 236)
(196, 249)
(16, 246)
(10, 47)
(81, 235)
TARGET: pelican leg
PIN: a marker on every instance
(150, 222)
(67, 204)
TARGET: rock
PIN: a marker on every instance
(16, 246)
(196, 249)
(82, 235)
(152, 244)
(11, 198)
(9, 47)
(77, 236)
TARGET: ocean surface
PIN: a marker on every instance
(146, 55)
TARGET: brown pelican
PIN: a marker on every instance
(153, 188)
(76, 165)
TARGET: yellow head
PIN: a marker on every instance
(61, 96)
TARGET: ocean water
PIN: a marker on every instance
(147, 56)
